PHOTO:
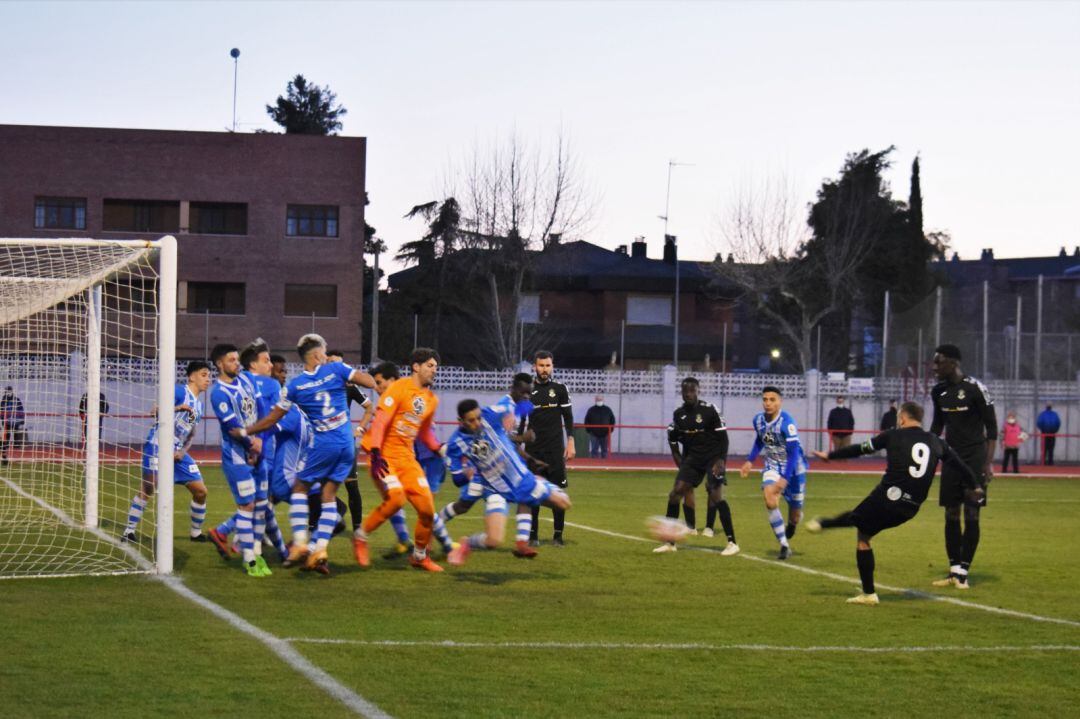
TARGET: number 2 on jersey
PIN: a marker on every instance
(324, 397)
(920, 455)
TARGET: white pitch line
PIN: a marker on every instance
(278, 646)
(453, 644)
(850, 580)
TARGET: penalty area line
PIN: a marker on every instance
(278, 646)
(849, 580)
(664, 646)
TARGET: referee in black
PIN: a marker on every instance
(964, 410)
(912, 455)
(698, 439)
(352, 486)
(552, 442)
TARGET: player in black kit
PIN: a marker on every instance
(912, 455)
(551, 416)
(702, 434)
(964, 410)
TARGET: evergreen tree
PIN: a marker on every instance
(307, 109)
(915, 200)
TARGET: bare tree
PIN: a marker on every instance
(516, 199)
(789, 275)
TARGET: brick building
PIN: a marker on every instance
(270, 227)
(577, 296)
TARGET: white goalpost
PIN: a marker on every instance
(87, 351)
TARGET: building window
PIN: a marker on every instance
(312, 221)
(646, 310)
(134, 295)
(141, 216)
(215, 298)
(60, 213)
(218, 218)
(308, 300)
(529, 309)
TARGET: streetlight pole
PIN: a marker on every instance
(235, 55)
(667, 212)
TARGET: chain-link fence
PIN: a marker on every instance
(1027, 332)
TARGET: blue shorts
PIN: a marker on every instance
(477, 490)
(184, 470)
(333, 463)
(435, 471)
(794, 492)
(531, 491)
(244, 484)
(280, 489)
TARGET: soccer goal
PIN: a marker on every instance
(87, 352)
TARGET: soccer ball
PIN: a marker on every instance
(1024, 436)
(666, 529)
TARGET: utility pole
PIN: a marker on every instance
(667, 212)
(235, 55)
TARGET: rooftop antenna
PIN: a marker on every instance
(235, 55)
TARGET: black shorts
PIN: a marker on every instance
(556, 466)
(877, 512)
(693, 471)
(951, 489)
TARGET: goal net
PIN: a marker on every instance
(87, 352)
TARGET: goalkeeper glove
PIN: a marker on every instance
(379, 467)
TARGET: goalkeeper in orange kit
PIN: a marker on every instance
(404, 415)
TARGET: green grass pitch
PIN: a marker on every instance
(684, 634)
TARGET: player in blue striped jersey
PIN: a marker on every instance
(483, 443)
(234, 403)
(188, 412)
(319, 392)
(784, 474)
(256, 373)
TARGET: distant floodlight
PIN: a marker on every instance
(775, 354)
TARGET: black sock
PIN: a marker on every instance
(847, 519)
(865, 559)
(725, 519)
(954, 541)
(790, 529)
(971, 542)
(356, 503)
(672, 510)
(535, 511)
(314, 509)
(690, 515)
(710, 516)
(559, 516)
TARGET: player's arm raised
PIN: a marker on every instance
(874, 444)
(361, 378)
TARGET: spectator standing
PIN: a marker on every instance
(841, 424)
(1049, 424)
(888, 420)
(12, 423)
(599, 421)
(103, 411)
(1012, 437)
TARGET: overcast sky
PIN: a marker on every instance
(988, 94)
